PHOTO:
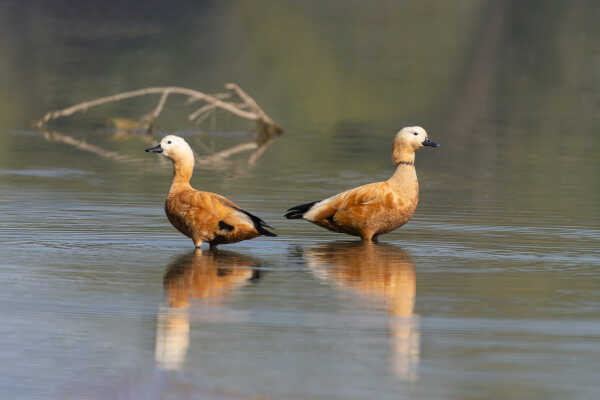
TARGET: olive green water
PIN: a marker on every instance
(490, 291)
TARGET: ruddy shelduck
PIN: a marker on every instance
(377, 208)
(203, 216)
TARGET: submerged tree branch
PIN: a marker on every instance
(236, 102)
(248, 109)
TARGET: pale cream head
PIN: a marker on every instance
(411, 136)
(176, 148)
(407, 141)
(180, 153)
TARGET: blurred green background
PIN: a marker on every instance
(509, 88)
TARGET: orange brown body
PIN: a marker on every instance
(367, 211)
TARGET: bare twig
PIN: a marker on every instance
(161, 104)
(220, 96)
(248, 100)
(250, 109)
(136, 93)
(204, 109)
(265, 124)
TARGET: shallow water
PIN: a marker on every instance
(491, 290)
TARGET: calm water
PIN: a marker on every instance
(490, 291)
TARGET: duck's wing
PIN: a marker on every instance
(259, 224)
(213, 215)
(355, 201)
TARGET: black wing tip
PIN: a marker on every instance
(259, 224)
(294, 215)
(265, 232)
(297, 212)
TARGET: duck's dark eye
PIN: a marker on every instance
(415, 133)
(169, 142)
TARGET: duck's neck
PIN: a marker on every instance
(403, 155)
(405, 176)
(182, 173)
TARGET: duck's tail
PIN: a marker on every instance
(298, 212)
(259, 224)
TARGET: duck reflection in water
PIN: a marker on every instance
(381, 273)
(204, 276)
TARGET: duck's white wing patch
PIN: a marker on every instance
(244, 218)
(319, 207)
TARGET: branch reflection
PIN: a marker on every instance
(382, 273)
(205, 276)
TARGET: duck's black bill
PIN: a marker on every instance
(155, 149)
(427, 142)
